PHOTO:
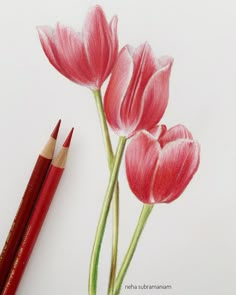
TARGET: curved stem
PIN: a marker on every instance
(110, 157)
(103, 217)
(147, 209)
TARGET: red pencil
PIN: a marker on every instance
(28, 200)
(37, 218)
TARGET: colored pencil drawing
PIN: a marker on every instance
(159, 162)
(146, 204)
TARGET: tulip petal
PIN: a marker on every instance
(155, 98)
(64, 49)
(158, 131)
(114, 46)
(72, 52)
(117, 87)
(46, 38)
(175, 133)
(144, 67)
(99, 43)
(177, 164)
(164, 62)
(113, 30)
(141, 158)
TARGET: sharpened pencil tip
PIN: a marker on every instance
(56, 129)
(68, 139)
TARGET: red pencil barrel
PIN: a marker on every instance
(22, 217)
(33, 229)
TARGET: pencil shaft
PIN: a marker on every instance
(33, 229)
(19, 224)
(26, 206)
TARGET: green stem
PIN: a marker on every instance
(147, 209)
(105, 132)
(110, 157)
(115, 237)
(103, 217)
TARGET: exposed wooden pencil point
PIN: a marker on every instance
(68, 139)
(56, 129)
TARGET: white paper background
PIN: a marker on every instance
(189, 244)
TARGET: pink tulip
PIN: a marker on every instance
(85, 58)
(138, 91)
(159, 165)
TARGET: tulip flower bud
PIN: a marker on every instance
(138, 91)
(85, 58)
(159, 168)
